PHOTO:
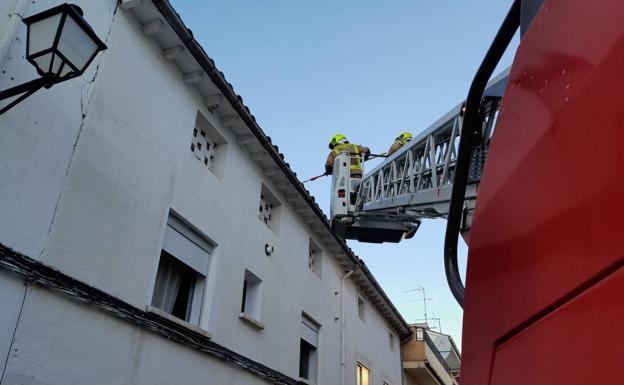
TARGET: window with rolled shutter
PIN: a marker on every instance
(309, 330)
(182, 270)
(308, 344)
(187, 246)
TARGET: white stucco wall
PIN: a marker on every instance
(11, 296)
(7, 7)
(10, 20)
(87, 188)
(37, 137)
(59, 341)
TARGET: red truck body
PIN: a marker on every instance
(545, 285)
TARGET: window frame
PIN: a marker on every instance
(392, 340)
(361, 310)
(310, 336)
(175, 224)
(251, 299)
(312, 361)
(358, 373)
(315, 258)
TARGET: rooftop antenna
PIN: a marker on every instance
(436, 318)
(424, 298)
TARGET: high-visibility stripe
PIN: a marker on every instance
(353, 148)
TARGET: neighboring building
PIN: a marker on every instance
(157, 235)
(430, 358)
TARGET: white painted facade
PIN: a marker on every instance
(90, 171)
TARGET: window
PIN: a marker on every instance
(182, 270)
(208, 145)
(392, 340)
(361, 307)
(362, 375)
(308, 359)
(419, 334)
(269, 209)
(252, 294)
(315, 258)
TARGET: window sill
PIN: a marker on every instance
(255, 323)
(163, 314)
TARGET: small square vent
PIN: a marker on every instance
(208, 145)
(203, 147)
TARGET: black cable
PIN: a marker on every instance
(469, 128)
(19, 316)
(37, 273)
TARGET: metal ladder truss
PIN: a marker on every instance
(416, 181)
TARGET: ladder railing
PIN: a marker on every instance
(419, 177)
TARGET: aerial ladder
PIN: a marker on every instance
(415, 183)
(438, 173)
(418, 181)
(543, 303)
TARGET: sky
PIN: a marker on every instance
(370, 70)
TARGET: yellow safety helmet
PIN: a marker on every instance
(337, 139)
(405, 136)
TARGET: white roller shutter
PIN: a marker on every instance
(309, 331)
(186, 246)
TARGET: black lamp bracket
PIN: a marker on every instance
(26, 89)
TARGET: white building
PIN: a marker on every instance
(158, 236)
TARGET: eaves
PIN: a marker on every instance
(163, 24)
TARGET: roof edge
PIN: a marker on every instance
(207, 64)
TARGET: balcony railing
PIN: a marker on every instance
(434, 349)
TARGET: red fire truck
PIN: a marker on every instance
(527, 171)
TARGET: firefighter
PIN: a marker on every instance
(338, 144)
(399, 142)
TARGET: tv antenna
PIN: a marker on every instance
(424, 298)
(436, 318)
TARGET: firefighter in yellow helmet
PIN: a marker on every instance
(399, 142)
(338, 144)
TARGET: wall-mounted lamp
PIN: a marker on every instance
(60, 44)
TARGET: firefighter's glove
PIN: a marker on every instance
(328, 170)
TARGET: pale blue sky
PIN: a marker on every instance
(368, 69)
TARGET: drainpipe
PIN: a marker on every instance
(343, 329)
(11, 27)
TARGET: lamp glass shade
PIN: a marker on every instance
(41, 36)
(75, 45)
(60, 43)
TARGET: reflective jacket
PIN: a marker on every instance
(356, 152)
(398, 143)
